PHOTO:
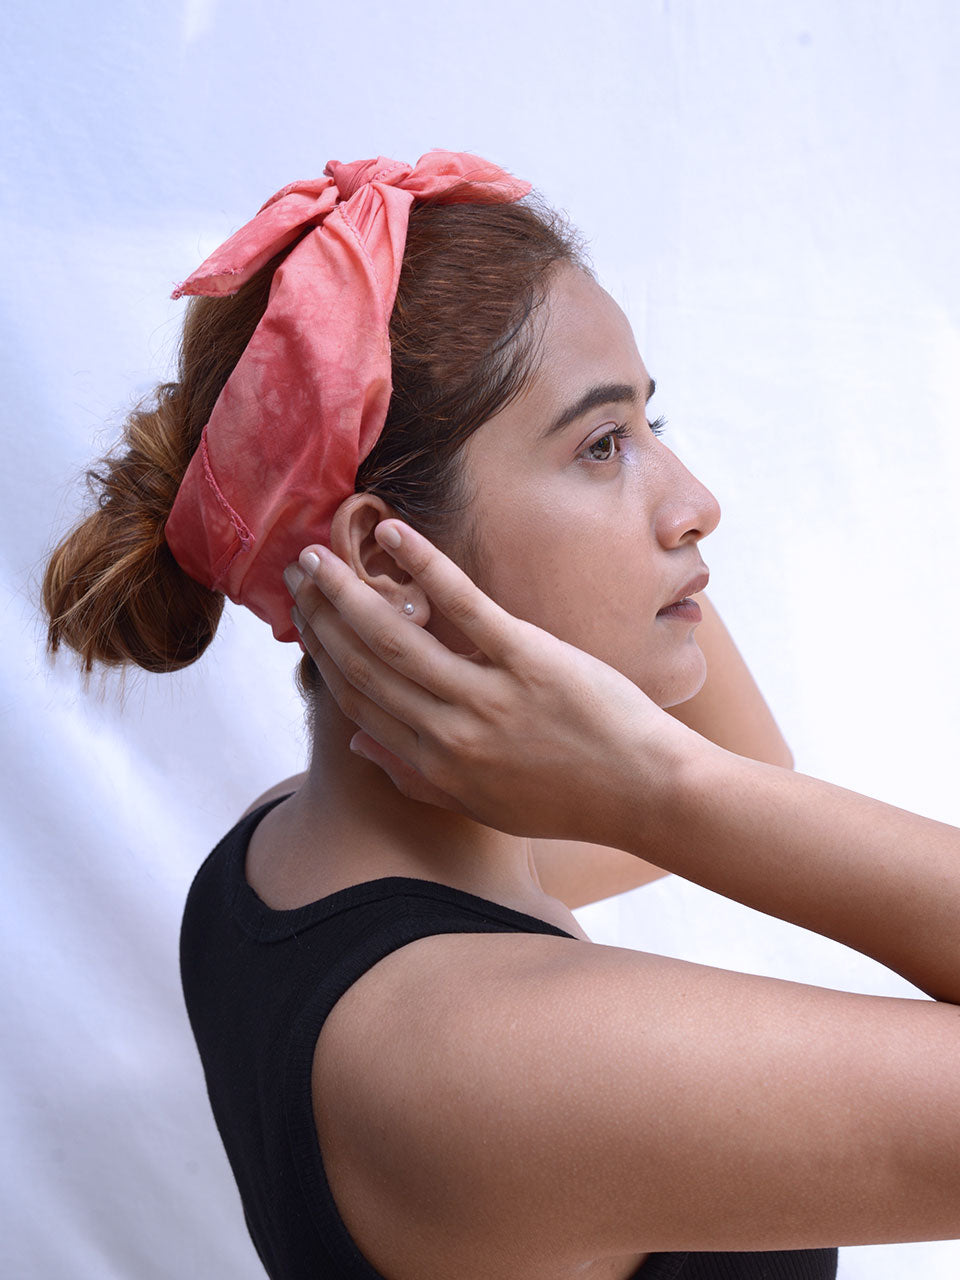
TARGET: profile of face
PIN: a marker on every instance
(587, 523)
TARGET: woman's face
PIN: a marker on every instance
(582, 532)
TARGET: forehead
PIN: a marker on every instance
(585, 338)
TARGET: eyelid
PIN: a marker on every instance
(610, 425)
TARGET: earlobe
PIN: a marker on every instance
(351, 538)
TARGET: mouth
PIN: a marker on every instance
(682, 607)
(685, 610)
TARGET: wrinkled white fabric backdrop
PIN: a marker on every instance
(771, 192)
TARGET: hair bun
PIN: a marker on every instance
(112, 589)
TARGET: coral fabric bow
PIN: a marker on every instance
(308, 398)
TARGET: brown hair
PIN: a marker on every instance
(462, 348)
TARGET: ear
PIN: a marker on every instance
(351, 538)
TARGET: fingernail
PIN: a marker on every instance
(390, 537)
(310, 561)
(292, 576)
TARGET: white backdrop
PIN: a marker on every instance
(770, 191)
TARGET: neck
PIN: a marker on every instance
(372, 830)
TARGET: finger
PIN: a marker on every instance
(384, 740)
(367, 673)
(454, 593)
(418, 662)
(293, 575)
(403, 776)
(397, 736)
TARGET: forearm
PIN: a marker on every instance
(874, 877)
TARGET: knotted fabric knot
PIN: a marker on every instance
(307, 400)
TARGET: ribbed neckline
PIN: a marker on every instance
(266, 924)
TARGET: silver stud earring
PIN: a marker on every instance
(409, 607)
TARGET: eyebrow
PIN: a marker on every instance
(594, 398)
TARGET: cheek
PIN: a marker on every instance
(591, 581)
(575, 577)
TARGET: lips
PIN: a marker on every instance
(689, 589)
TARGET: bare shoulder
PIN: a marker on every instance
(574, 1102)
(281, 789)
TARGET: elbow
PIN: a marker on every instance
(785, 758)
(775, 753)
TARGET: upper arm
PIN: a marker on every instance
(584, 1101)
(577, 873)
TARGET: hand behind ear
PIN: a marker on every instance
(514, 733)
(309, 601)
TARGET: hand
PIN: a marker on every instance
(526, 734)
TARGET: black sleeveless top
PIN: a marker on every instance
(258, 986)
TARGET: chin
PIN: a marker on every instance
(681, 683)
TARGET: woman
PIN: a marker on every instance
(387, 982)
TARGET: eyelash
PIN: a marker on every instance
(623, 432)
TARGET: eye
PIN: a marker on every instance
(605, 443)
(620, 432)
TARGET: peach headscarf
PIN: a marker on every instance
(308, 398)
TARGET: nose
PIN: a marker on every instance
(688, 510)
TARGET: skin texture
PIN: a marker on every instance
(581, 533)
